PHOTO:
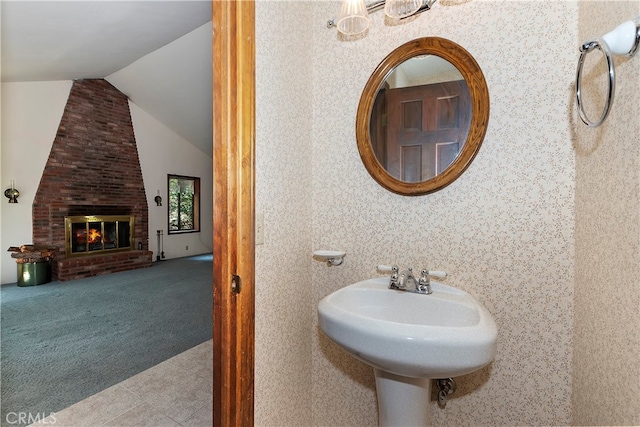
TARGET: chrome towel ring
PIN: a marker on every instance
(585, 49)
(623, 40)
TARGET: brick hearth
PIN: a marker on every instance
(93, 169)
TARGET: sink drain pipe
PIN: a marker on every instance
(446, 387)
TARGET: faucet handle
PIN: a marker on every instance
(424, 283)
(437, 273)
(386, 268)
(394, 280)
(393, 269)
(424, 276)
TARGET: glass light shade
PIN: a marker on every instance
(398, 9)
(354, 18)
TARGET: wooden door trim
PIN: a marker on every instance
(233, 211)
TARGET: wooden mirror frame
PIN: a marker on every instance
(478, 90)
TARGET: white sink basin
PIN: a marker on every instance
(445, 334)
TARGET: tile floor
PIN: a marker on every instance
(177, 392)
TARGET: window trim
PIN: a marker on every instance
(196, 203)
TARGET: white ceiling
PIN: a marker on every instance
(156, 52)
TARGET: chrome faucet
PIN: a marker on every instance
(424, 283)
(406, 281)
(393, 280)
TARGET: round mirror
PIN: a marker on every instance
(422, 116)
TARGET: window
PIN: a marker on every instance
(184, 204)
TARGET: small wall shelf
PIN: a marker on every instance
(332, 258)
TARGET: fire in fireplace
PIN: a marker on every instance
(90, 235)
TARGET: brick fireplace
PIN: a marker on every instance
(93, 169)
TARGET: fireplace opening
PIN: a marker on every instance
(90, 235)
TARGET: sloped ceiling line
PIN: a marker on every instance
(156, 52)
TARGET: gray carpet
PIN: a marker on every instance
(62, 342)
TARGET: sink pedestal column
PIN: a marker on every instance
(403, 401)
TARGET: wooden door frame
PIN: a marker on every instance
(233, 23)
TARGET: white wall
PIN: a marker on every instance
(163, 152)
(31, 113)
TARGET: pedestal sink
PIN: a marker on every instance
(409, 339)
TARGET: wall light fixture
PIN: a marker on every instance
(11, 193)
(354, 14)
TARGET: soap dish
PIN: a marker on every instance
(331, 257)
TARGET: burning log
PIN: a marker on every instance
(32, 253)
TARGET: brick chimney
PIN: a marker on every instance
(93, 169)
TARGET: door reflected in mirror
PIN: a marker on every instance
(422, 116)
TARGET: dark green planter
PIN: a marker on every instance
(34, 273)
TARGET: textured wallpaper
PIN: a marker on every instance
(540, 225)
(606, 389)
(503, 231)
(283, 182)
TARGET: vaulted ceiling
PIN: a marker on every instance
(156, 52)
